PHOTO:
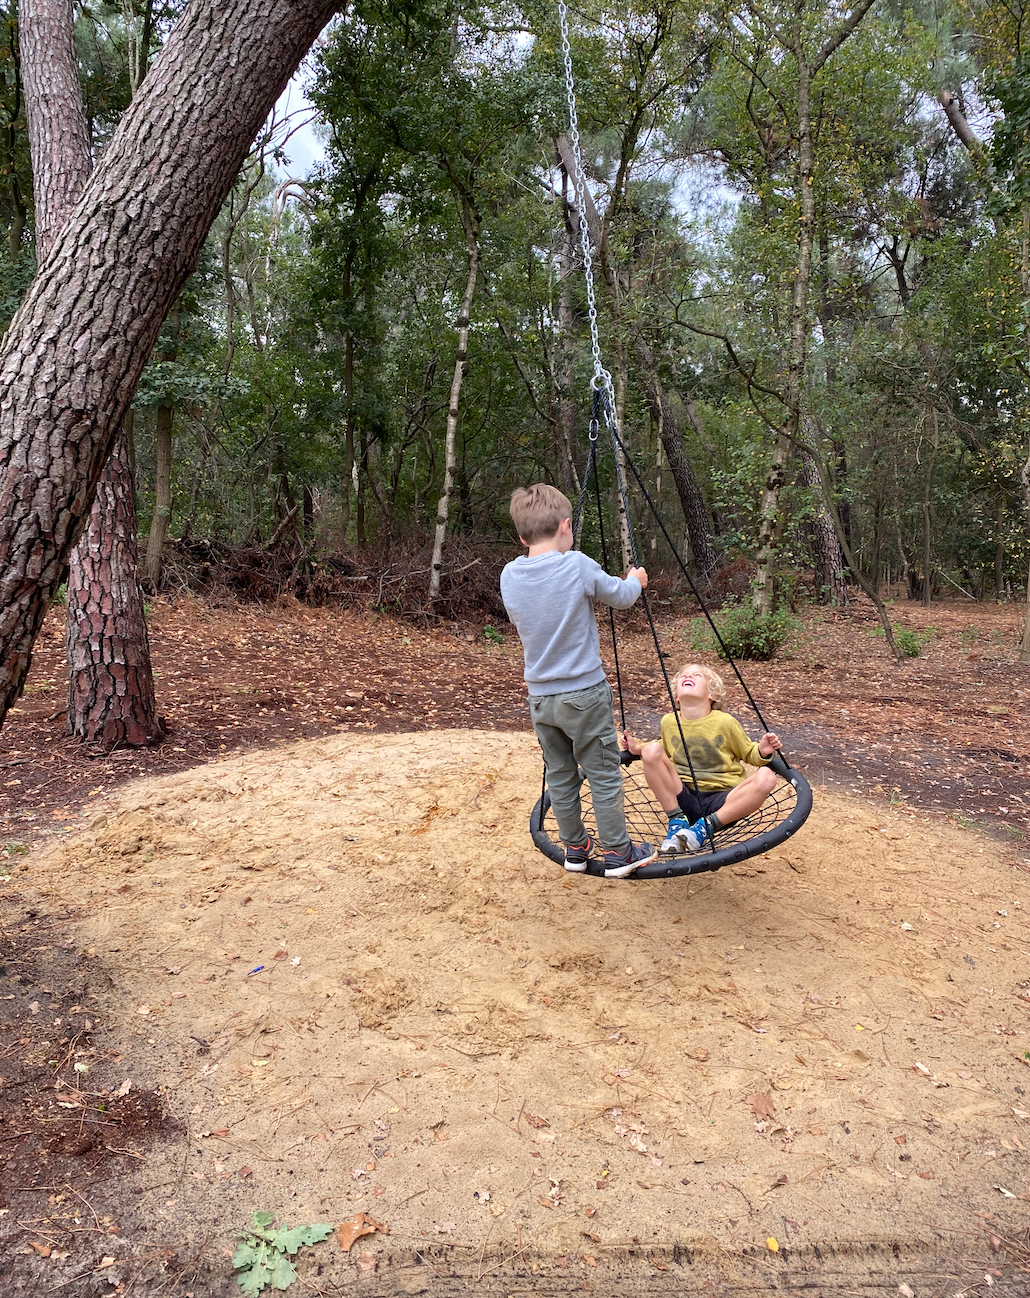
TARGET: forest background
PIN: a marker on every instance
(811, 234)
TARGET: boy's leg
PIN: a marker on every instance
(661, 777)
(563, 780)
(747, 796)
(586, 717)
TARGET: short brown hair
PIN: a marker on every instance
(538, 511)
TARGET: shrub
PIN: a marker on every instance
(745, 633)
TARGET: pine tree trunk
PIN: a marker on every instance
(99, 707)
(471, 224)
(110, 683)
(73, 354)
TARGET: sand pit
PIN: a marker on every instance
(354, 976)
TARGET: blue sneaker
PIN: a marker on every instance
(618, 864)
(577, 855)
(684, 837)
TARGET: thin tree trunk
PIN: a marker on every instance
(692, 502)
(927, 500)
(73, 354)
(620, 464)
(829, 558)
(471, 224)
(999, 545)
(164, 429)
(769, 508)
(566, 429)
(110, 683)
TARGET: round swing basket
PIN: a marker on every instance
(783, 812)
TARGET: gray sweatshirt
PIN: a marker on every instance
(550, 599)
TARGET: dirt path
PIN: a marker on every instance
(353, 986)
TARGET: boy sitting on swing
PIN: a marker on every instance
(717, 746)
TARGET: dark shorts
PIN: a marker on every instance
(694, 805)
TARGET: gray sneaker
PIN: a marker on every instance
(577, 855)
(618, 864)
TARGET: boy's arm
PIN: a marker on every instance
(617, 591)
(745, 748)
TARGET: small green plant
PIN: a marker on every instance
(909, 642)
(61, 596)
(745, 634)
(262, 1257)
(969, 637)
(494, 636)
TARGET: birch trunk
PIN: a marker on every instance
(74, 351)
(769, 508)
(470, 223)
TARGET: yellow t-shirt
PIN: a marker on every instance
(717, 745)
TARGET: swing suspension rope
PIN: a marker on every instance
(788, 806)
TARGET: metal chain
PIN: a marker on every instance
(602, 379)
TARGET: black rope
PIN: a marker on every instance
(697, 595)
(613, 432)
(604, 563)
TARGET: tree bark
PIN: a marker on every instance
(928, 512)
(692, 502)
(74, 351)
(829, 558)
(470, 222)
(110, 682)
(59, 142)
(165, 426)
(105, 627)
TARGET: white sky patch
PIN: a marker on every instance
(304, 149)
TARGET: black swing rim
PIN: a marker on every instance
(697, 862)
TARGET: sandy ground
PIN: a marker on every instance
(360, 988)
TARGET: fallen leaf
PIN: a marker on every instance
(901, 1140)
(366, 1261)
(353, 1228)
(124, 1089)
(445, 1227)
(544, 1202)
(995, 1242)
(814, 1129)
(925, 1176)
(590, 1261)
(761, 1106)
(701, 1054)
(772, 1245)
(44, 1250)
(244, 1171)
(536, 1122)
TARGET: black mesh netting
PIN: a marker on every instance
(784, 811)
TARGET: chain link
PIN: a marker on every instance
(602, 379)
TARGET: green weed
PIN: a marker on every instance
(494, 636)
(262, 1257)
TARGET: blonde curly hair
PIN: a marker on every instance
(716, 685)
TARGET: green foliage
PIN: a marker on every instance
(908, 641)
(745, 634)
(262, 1258)
(494, 636)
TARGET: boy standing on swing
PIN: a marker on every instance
(549, 596)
